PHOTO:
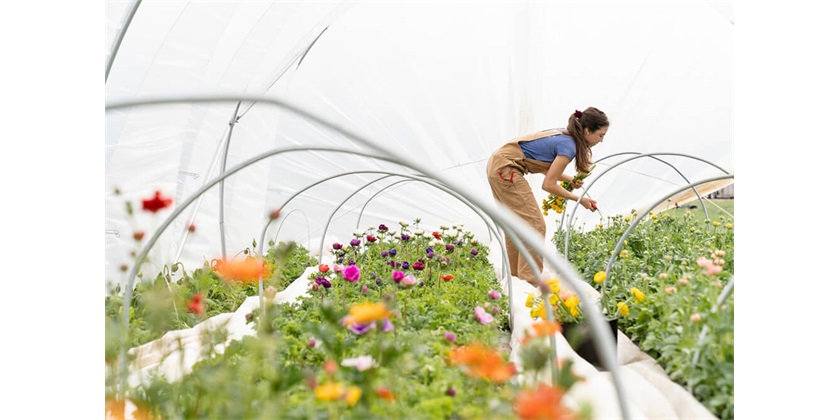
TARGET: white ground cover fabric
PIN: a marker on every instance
(650, 393)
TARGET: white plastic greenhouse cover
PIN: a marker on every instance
(442, 83)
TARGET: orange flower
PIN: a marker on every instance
(447, 277)
(116, 410)
(365, 312)
(541, 403)
(248, 270)
(385, 394)
(482, 362)
(542, 328)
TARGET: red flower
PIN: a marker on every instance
(191, 228)
(156, 203)
(436, 235)
(447, 277)
(371, 238)
(196, 304)
(138, 236)
(385, 394)
(323, 268)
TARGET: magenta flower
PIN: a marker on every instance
(473, 251)
(449, 336)
(371, 238)
(337, 246)
(351, 273)
(387, 325)
(383, 228)
(364, 289)
(450, 247)
(355, 242)
(494, 294)
(482, 316)
(397, 275)
(360, 329)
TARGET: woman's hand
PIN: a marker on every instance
(576, 183)
(589, 204)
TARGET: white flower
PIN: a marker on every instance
(418, 232)
(391, 232)
(403, 224)
(359, 232)
(444, 227)
(361, 363)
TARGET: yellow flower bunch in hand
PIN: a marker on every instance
(558, 204)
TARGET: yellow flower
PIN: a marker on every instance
(638, 294)
(365, 312)
(623, 253)
(692, 229)
(729, 225)
(553, 285)
(572, 303)
(623, 309)
(541, 312)
(626, 218)
(353, 394)
(715, 223)
(600, 277)
(529, 302)
(329, 391)
(553, 299)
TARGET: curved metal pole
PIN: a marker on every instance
(118, 41)
(699, 198)
(585, 190)
(233, 120)
(510, 222)
(362, 211)
(305, 219)
(337, 208)
(636, 222)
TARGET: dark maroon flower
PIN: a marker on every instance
(383, 228)
(451, 391)
(337, 246)
(156, 203)
(450, 247)
(371, 238)
(418, 265)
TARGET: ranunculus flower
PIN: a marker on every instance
(371, 238)
(337, 246)
(418, 265)
(270, 292)
(351, 273)
(405, 265)
(436, 235)
(623, 309)
(196, 304)
(392, 252)
(447, 277)
(355, 242)
(449, 336)
(494, 294)
(248, 270)
(450, 247)
(473, 251)
(482, 316)
(386, 325)
(360, 328)
(361, 313)
(695, 318)
(397, 276)
(405, 237)
(683, 282)
(409, 280)
(637, 294)
(383, 228)
(670, 290)
(600, 277)
(323, 282)
(323, 268)
(364, 289)
(384, 254)
(385, 394)
(156, 203)
(712, 269)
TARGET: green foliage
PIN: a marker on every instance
(665, 258)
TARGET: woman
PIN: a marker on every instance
(546, 152)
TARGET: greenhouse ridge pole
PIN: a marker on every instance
(233, 120)
(510, 222)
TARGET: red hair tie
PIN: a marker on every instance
(578, 114)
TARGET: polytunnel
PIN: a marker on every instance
(308, 122)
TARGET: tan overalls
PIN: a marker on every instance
(505, 170)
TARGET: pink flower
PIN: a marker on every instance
(351, 273)
(409, 280)
(494, 294)
(397, 275)
(337, 268)
(712, 269)
(364, 289)
(670, 290)
(695, 318)
(361, 363)
(482, 316)
(683, 282)
(449, 336)
(703, 262)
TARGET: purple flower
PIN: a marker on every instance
(387, 325)
(340, 260)
(355, 242)
(450, 247)
(405, 265)
(383, 228)
(451, 391)
(430, 255)
(337, 246)
(391, 263)
(378, 281)
(351, 262)
(494, 294)
(397, 275)
(405, 236)
(449, 336)
(393, 251)
(323, 282)
(473, 251)
(421, 284)
(482, 316)
(351, 273)
(360, 329)
(384, 254)
(428, 250)
(459, 243)
(418, 266)
(495, 310)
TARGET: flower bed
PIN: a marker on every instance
(399, 324)
(664, 287)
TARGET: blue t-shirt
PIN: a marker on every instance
(547, 148)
